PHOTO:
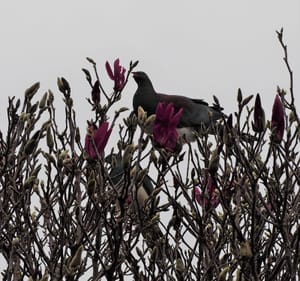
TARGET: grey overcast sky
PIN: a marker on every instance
(194, 48)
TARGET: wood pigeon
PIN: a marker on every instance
(150, 231)
(117, 177)
(197, 114)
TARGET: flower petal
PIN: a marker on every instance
(109, 70)
(169, 111)
(117, 68)
(164, 129)
(101, 136)
(175, 119)
(198, 196)
(89, 147)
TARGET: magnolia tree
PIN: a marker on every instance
(225, 207)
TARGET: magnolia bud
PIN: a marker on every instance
(76, 260)
(31, 144)
(154, 253)
(50, 98)
(214, 162)
(239, 96)
(128, 153)
(277, 121)
(179, 265)
(245, 250)
(31, 91)
(90, 60)
(43, 100)
(63, 86)
(49, 139)
(259, 116)
(246, 100)
(148, 126)
(87, 75)
(142, 115)
(96, 92)
(91, 187)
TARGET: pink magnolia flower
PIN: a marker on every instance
(208, 197)
(164, 129)
(277, 122)
(259, 116)
(118, 75)
(100, 137)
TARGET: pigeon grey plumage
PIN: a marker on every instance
(196, 112)
(151, 231)
(117, 177)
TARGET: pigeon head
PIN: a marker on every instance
(141, 77)
(145, 95)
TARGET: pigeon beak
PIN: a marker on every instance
(134, 75)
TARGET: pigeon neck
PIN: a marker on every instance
(147, 86)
